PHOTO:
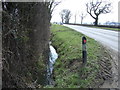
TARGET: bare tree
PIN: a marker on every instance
(65, 15)
(75, 17)
(51, 4)
(82, 17)
(62, 17)
(94, 9)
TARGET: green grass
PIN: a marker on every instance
(68, 69)
(115, 29)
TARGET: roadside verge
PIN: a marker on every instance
(68, 69)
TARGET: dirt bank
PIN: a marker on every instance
(113, 58)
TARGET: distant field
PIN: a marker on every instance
(115, 28)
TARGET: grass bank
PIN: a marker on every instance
(107, 27)
(68, 69)
(114, 29)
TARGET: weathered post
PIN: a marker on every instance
(84, 51)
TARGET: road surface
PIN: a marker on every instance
(110, 40)
(107, 37)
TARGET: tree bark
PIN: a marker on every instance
(81, 20)
(62, 20)
(25, 41)
(96, 21)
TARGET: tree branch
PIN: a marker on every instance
(89, 10)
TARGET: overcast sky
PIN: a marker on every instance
(78, 6)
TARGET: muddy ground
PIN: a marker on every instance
(109, 68)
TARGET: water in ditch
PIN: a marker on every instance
(52, 58)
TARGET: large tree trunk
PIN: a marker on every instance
(62, 20)
(67, 21)
(25, 41)
(81, 20)
(96, 21)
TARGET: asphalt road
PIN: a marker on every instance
(107, 37)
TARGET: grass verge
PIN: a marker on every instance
(68, 69)
(114, 29)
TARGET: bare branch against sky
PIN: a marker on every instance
(96, 8)
(79, 6)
